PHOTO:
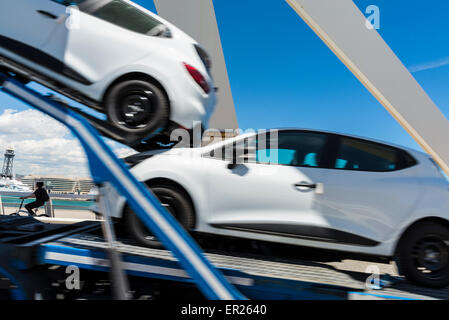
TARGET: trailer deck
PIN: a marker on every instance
(276, 278)
(256, 276)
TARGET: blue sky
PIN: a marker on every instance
(282, 75)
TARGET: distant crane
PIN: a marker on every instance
(7, 171)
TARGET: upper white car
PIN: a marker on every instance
(113, 55)
(307, 188)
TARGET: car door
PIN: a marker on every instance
(27, 25)
(276, 190)
(368, 190)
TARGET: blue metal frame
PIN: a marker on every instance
(16, 293)
(383, 296)
(105, 167)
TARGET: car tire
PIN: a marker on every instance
(175, 201)
(423, 256)
(137, 107)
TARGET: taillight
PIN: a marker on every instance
(198, 77)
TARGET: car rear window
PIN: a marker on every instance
(126, 16)
(360, 155)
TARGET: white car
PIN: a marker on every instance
(307, 188)
(112, 55)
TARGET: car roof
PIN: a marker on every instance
(411, 150)
(174, 28)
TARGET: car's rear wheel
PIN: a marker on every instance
(423, 255)
(137, 107)
(175, 201)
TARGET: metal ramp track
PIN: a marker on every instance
(259, 266)
(28, 231)
(257, 277)
(254, 271)
(407, 291)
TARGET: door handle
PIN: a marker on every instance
(47, 14)
(305, 185)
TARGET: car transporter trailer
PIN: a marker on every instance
(35, 256)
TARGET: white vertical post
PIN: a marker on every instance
(2, 208)
(49, 209)
(118, 276)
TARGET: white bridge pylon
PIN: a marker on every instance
(197, 18)
(342, 27)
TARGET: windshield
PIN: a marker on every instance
(129, 17)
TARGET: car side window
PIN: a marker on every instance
(126, 16)
(292, 148)
(355, 154)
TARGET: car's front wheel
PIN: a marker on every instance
(175, 201)
(137, 107)
(423, 255)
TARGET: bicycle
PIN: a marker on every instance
(20, 210)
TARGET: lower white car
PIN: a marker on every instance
(308, 188)
(144, 73)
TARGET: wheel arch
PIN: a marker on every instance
(169, 182)
(439, 220)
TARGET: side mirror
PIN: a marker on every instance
(237, 160)
(232, 166)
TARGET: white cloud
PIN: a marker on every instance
(43, 146)
(29, 123)
(430, 65)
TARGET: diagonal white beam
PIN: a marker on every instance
(197, 18)
(341, 25)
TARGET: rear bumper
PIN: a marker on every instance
(194, 109)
